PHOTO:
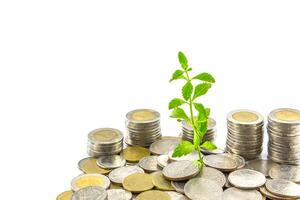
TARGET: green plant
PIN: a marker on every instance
(190, 95)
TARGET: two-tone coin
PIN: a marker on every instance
(86, 180)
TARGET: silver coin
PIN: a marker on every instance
(269, 195)
(176, 196)
(104, 182)
(163, 160)
(213, 174)
(238, 194)
(260, 165)
(246, 179)
(203, 189)
(288, 172)
(164, 146)
(90, 193)
(178, 186)
(149, 163)
(111, 162)
(283, 188)
(191, 156)
(221, 162)
(117, 175)
(180, 170)
(240, 161)
(118, 194)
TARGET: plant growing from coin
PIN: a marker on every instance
(190, 96)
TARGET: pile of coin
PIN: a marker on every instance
(143, 127)
(284, 136)
(104, 141)
(245, 133)
(188, 132)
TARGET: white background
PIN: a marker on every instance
(68, 67)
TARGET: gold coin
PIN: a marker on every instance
(245, 116)
(67, 195)
(160, 182)
(143, 115)
(153, 195)
(87, 180)
(89, 166)
(115, 186)
(138, 182)
(288, 115)
(104, 135)
(135, 153)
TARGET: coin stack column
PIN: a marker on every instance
(245, 133)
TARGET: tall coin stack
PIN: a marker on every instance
(188, 132)
(245, 133)
(104, 141)
(284, 136)
(143, 127)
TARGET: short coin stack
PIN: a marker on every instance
(188, 132)
(104, 141)
(143, 127)
(284, 136)
(245, 133)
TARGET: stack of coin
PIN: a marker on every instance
(284, 136)
(188, 132)
(104, 141)
(143, 127)
(245, 133)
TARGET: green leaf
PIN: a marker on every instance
(208, 145)
(182, 60)
(205, 77)
(178, 74)
(175, 103)
(183, 148)
(203, 127)
(201, 89)
(187, 90)
(201, 112)
(198, 164)
(179, 114)
(189, 69)
(207, 111)
(196, 140)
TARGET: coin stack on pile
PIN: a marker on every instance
(188, 132)
(245, 133)
(284, 136)
(143, 127)
(104, 141)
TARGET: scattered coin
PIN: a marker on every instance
(191, 156)
(180, 170)
(201, 188)
(67, 195)
(149, 163)
(111, 162)
(86, 180)
(160, 182)
(118, 194)
(153, 195)
(164, 145)
(89, 166)
(117, 175)
(238, 194)
(221, 162)
(176, 196)
(283, 188)
(260, 165)
(163, 160)
(246, 179)
(213, 174)
(115, 186)
(214, 152)
(138, 182)
(240, 161)
(268, 194)
(178, 186)
(288, 172)
(135, 153)
(90, 193)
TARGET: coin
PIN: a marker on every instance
(213, 174)
(164, 145)
(163, 160)
(143, 116)
(268, 194)
(149, 163)
(221, 162)
(160, 182)
(288, 172)
(138, 182)
(67, 195)
(86, 180)
(115, 186)
(187, 170)
(215, 151)
(90, 193)
(178, 186)
(176, 196)
(89, 166)
(111, 162)
(240, 161)
(246, 179)
(153, 195)
(117, 175)
(283, 188)
(118, 194)
(201, 188)
(260, 165)
(238, 194)
(135, 153)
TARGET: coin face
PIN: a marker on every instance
(163, 160)
(118, 194)
(111, 162)
(178, 186)
(176, 196)
(87, 180)
(67, 195)
(90, 193)
(105, 135)
(240, 161)
(138, 182)
(143, 115)
(214, 175)
(135, 153)
(118, 175)
(164, 146)
(89, 166)
(283, 188)
(187, 170)
(160, 182)
(288, 115)
(149, 163)
(153, 194)
(200, 188)
(288, 172)
(245, 116)
(221, 162)
(238, 194)
(268, 194)
(262, 166)
(246, 179)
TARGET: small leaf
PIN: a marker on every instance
(207, 111)
(183, 148)
(175, 103)
(178, 74)
(179, 114)
(208, 145)
(205, 77)
(187, 90)
(201, 112)
(182, 60)
(201, 89)
(189, 69)
(203, 128)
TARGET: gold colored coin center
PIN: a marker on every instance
(288, 116)
(143, 116)
(245, 116)
(89, 181)
(105, 135)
